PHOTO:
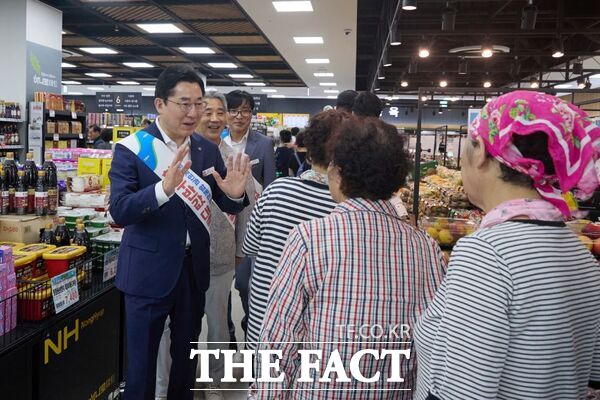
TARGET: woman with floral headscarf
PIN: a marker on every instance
(518, 313)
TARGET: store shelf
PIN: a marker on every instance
(57, 113)
(11, 120)
(11, 147)
(62, 136)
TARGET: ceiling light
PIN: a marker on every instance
(197, 50)
(241, 76)
(534, 84)
(423, 98)
(558, 49)
(595, 76)
(308, 39)
(63, 32)
(127, 83)
(332, 97)
(292, 6)
(412, 67)
(138, 65)
(448, 18)
(149, 89)
(395, 39)
(317, 60)
(67, 65)
(487, 84)
(327, 84)
(487, 49)
(386, 60)
(159, 28)
(381, 77)
(588, 84)
(98, 50)
(95, 88)
(71, 83)
(564, 86)
(404, 83)
(581, 82)
(440, 110)
(222, 65)
(74, 94)
(324, 74)
(454, 98)
(255, 84)
(409, 5)
(98, 74)
(277, 96)
(443, 83)
(578, 68)
(529, 16)
(376, 87)
(269, 90)
(463, 67)
(331, 91)
(423, 52)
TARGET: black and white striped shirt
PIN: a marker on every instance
(283, 205)
(517, 317)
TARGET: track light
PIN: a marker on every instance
(443, 83)
(448, 18)
(395, 39)
(404, 83)
(423, 51)
(529, 16)
(487, 49)
(578, 68)
(534, 84)
(386, 60)
(380, 76)
(412, 67)
(463, 67)
(581, 82)
(440, 110)
(558, 49)
(423, 98)
(487, 84)
(409, 5)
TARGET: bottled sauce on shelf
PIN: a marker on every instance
(9, 135)
(10, 173)
(48, 236)
(10, 110)
(41, 194)
(51, 178)
(81, 237)
(21, 194)
(62, 233)
(31, 177)
(4, 198)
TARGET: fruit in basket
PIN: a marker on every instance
(589, 243)
(431, 231)
(591, 230)
(445, 237)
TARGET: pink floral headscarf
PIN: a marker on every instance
(573, 143)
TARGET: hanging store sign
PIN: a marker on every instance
(119, 102)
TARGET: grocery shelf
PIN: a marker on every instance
(11, 120)
(63, 136)
(65, 113)
(11, 147)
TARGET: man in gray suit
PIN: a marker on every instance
(262, 157)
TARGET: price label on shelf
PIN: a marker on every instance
(64, 290)
(52, 114)
(81, 136)
(73, 115)
(55, 137)
(110, 264)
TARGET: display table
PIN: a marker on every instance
(72, 355)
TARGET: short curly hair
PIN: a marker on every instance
(320, 129)
(371, 157)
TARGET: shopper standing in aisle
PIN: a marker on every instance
(284, 205)
(518, 313)
(163, 265)
(345, 101)
(95, 135)
(359, 266)
(283, 154)
(260, 150)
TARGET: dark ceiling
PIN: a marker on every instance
(574, 22)
(221, 25)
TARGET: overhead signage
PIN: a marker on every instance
(118, 101)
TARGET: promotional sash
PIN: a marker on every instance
(155, 154)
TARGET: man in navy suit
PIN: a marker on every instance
(164, 265)
(260, 150)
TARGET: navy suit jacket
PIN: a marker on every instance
(154, 240)
(260, 147)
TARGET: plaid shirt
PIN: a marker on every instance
(359, 266)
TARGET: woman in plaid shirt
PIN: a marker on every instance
(354, 280)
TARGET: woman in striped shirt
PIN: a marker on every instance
(518, 314)
(283, 205)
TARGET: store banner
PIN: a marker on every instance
(260, 103)
(44, 73)
(119, 101)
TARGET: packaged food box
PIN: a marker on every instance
(98, 223)
(14, 245)
(37, 250)
(35, 299)
(447, 231)
(62, 259)
(25, 263)
(94, 232)
(89, 166)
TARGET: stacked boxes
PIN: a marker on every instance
(8, 291)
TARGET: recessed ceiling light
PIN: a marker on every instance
(67, 65)
(404, 83)
(269, 90)
(241, 76)
(95, 88)
(197, 50)
(128, 83)
(278, 96)
(74, 94)
(138, 65)
(381, 77)
(331, 91)
(409, 5)
(423, 98)
(222, 65)
(487, 84)
(534, 84)
(98, 50)
(292, 6)
(423, 52)
(308, 39)
(317, 60)
(255, 84)
(443, 83)
(71, 83)
(98, 74)
(160, 28)
(327, 84)
(324, 74)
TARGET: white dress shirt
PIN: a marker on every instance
(238, 147)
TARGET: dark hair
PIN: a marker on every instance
(320, 129)
(146, 121)
(371, 157)
(345, 100)
(107, 134)
(171, 76)
(367, 104)
(95, 128)
(238, 97)
(285, 136)
(300, 139)
(295, 130)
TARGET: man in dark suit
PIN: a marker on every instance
(262, 155)
(164, 265)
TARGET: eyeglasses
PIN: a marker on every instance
(243, 112)
(186, 107)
